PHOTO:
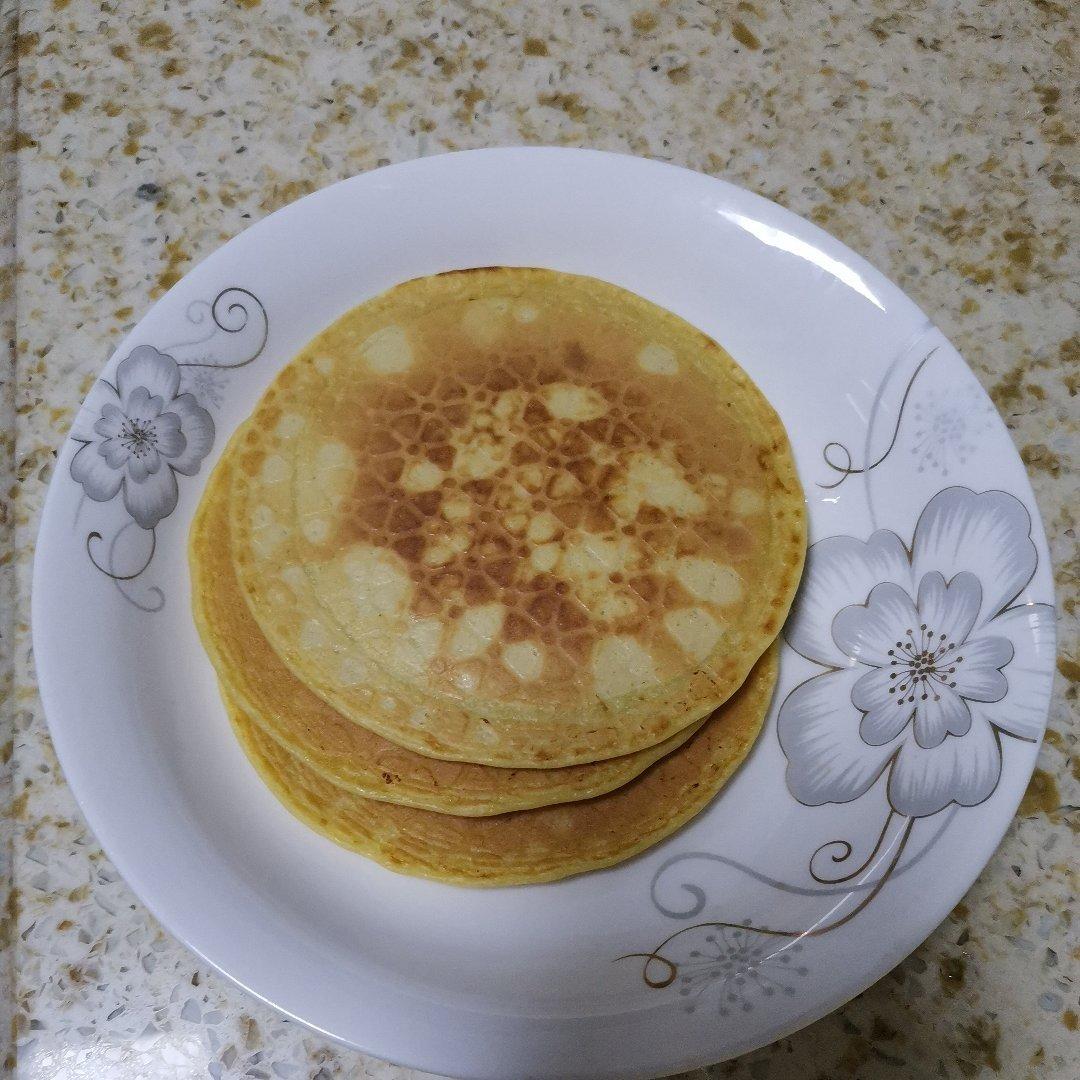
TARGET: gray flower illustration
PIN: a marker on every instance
(138, 434)
(928, 676)
(205, 382)
(947, 430)
(737, 963)
(927, 664)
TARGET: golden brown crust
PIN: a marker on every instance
(530, 846)
(518, 518)
(343, 752)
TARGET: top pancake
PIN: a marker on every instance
(517, 517)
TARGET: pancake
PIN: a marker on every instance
(530, 846)
(351, 756)
(517, 517)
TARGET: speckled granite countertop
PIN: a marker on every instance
(932, 138)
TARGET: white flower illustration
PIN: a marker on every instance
(205, 382)
(947, 430)
(138, 434)
(738, 964)
(928, 664)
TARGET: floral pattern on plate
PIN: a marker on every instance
(137, 434)
(917, 646)
(925, 657)
(145, 433)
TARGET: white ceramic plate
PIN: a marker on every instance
(856, 824)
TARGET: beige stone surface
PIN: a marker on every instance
(937, 139)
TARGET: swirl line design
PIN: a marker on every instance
(846, 467)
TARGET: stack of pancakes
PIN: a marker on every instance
(491, 576)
